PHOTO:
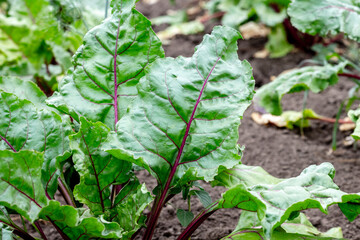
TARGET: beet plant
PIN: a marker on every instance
(124, 108)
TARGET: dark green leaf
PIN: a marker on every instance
(97, 88)
(186, 117)
(185, 217)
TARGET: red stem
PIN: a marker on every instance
(349, 75)
(64, 192)
(62, 234)
(40, 230)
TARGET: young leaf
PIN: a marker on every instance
(22, 127)
(20, 182)
(79, 223)
(277, 45)
(108, 65)
(98, 170)
(204, 197)
(275, 203)
(129, 205)
(185, 120)
(185, 217)
(326, 16)
(315, 78)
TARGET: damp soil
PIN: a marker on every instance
(283, 153)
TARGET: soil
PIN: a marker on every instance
(283, 153)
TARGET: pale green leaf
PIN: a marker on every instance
(185, 217)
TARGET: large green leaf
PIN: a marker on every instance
(326, 16)
(314, 78)
(98, 170)
(277, 202)
(185, 121)
(108, 65)
(79, 223)
(20, 182)
(299, 228)
(22, 126)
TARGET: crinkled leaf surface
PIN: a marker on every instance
(314, 78)
(326, 16)
(20, 182)
(108, 65)
(277, 202)
(79, 223)
(186, 117)
(22, 126)
(98, 169)
(129, 205)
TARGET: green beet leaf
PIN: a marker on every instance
(24, 127)
(129, 205)
(79, 223)
(98, 170)
(185, 217)
(326, 17)
(108, 66)
(20, 182)
(278, 200)
(184, 124)
(314, 78)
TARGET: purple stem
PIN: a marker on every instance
(349, 75)
(66, 195)
(159, 205)
(19, 232)
(40, 230)
(62, 234)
